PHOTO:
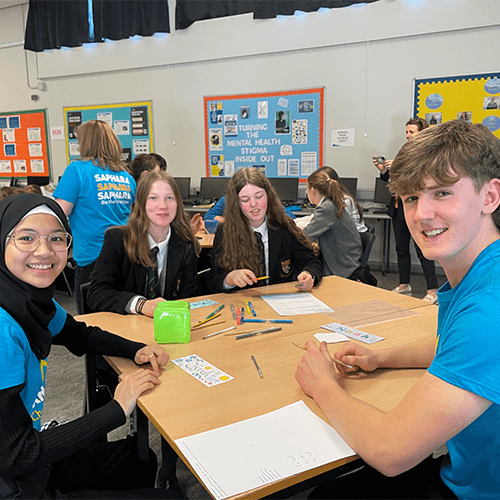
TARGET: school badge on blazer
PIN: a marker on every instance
(285, 269)
(172, 322)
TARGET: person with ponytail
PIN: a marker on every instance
(258, 239)
(332, 227)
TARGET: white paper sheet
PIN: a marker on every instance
(261, 450)
(292, 304)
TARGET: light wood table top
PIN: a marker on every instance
(181, 406)
(206, 240)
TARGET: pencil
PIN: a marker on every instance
(206, 320)
(220, 331)
(263, 278)
(257, 366)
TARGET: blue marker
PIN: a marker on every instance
(255, 320)
(280, 320)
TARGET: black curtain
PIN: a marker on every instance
(266, 9)
(189, 11)
(53, 24)
(118, 19)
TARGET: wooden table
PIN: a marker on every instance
(175, 415)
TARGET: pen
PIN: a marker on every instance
(252, 309)
(334, 359)
(234, 312)
(269, 320)
(263, 278)
(252, 334)
(206, 320)
(213, 313)
(217, 333)
(257, 366)
(247, 307)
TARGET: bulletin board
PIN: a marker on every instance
(24, 146)
(279, 132)
(132, 123)
(473, 98)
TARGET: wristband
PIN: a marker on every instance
(140, 305)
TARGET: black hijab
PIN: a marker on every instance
(31, 307)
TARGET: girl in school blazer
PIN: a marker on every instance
(118, 282)
(285, 254)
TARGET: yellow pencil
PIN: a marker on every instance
(206, 320)
(263, 278)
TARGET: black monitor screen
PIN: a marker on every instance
(184, 185)
(286, 187)
(213, 187)
(382, 193)
(39, 181)
(351, 184)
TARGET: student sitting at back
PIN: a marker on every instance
(158, 221)
(448, 178)
(333, 228)
(259, 239)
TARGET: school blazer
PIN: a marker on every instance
(115, 279)
(287, 259)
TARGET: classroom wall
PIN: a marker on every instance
(365, 56)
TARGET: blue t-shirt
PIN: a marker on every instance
(101, 198)
(467, 356)
(20, 365)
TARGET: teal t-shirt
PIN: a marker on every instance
(20, 365)
(101, 198)
(467, 356)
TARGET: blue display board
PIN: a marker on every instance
(279, 132)
(132, 123)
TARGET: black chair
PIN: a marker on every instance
(363, 272)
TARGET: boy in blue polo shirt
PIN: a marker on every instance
(448, 180)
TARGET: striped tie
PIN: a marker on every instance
(153, 280)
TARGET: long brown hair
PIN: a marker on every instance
(100, 145)
(136, 230)
(326, 186)
(239, 247)
(332, 173)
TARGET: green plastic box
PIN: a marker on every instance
(172, 322)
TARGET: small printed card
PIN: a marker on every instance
(330, 338)
(202, 370)
(202, 303)
(353, 333)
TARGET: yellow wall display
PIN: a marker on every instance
(473, 98)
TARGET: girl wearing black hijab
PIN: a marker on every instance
(34, 242)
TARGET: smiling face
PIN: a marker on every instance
(411, 131)
(453, 224)
(161, 208)
(253, 203)
(39, 267)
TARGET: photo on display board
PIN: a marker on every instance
(282, 122)
(491, 102)
(433, 118)
(466, 116)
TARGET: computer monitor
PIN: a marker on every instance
(286, 187)
(382, 193)
(351, 184)
(39, 181)
(184, 185)
(213, 187)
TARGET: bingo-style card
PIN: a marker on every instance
(202, 370)
(353, 333)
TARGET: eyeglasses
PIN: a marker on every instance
(28, 241)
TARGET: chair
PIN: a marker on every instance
(363, 272)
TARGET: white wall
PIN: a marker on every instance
(365, 56)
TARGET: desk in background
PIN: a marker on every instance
(183, 406)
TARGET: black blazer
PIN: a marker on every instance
(287, 259)
(115, 279)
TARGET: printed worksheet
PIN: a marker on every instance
(293, 304)
(261, 450)
(202, 370)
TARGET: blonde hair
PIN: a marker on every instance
(136, 231)
(100, 145)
